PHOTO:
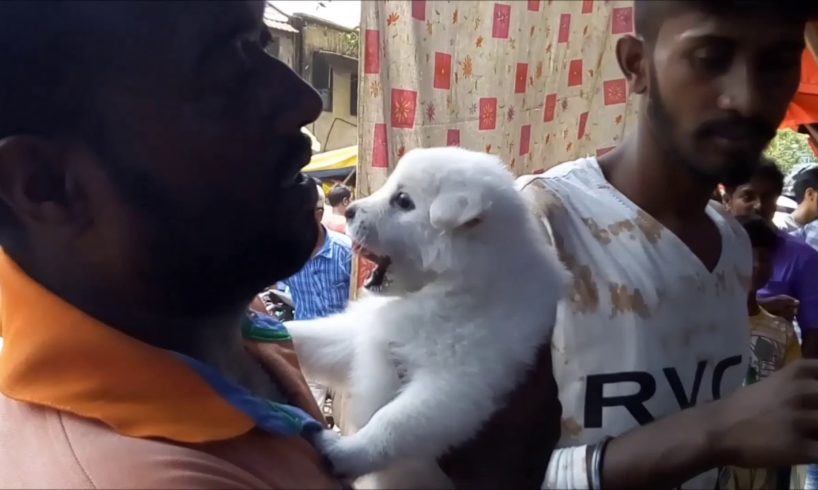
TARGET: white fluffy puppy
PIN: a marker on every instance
(472, 295)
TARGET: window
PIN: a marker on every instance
(273, 46)
(353, 95)
(322, 80)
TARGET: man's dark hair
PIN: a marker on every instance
(338, 193)
(649, 15)
(808, 179)
(52, 61)
(761, 232)
(766, 170)
(48, 52)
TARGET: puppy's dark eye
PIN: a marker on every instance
(402, 201)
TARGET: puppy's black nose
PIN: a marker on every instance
(349, 214)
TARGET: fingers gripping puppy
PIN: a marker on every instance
(470, 295)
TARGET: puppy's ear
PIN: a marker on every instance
(453, 210)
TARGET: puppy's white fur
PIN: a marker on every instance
(473, 296)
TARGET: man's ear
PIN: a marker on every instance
(453, 210)
(34, 181)
(630, 54)
(725, 199)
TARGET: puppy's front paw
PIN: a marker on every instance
(348, 458)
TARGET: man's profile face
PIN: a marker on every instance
(719, 86)
(200, 133)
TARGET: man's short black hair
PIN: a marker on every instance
(808, 179)
(38, 90)
(338, 193)
(649, 15)
(48, 53)
(762, 233)
(766, 170)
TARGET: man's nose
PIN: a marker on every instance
(742, 94)
(349, 214)
(288, 96)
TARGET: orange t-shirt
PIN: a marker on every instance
(85, 406)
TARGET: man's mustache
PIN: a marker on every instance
(748, 129)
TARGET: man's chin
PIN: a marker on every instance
(739, 169)
(292, 255)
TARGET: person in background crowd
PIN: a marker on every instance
(321, 287)
(773, 341)
(805, 192)
(792, 291)
(339, 198)
(773, 345)
(810, 234)
(758, 195)
(655, 324)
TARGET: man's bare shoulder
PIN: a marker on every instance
(549, 194)
(562, 181)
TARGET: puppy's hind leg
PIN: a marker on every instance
(325, 347)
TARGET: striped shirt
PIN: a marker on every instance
(321, 287)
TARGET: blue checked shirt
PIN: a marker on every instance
(321, 288)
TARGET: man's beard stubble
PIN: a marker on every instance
(738, 168)
(203, 261)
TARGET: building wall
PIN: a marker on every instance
(286, 47)
(339, 128)
(286, 51)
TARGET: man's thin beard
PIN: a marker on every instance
(664, 127)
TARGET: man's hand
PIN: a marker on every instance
(513, 448)
(781, 305)
(773, 422)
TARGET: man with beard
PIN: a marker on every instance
(654, 330)
(149, 187)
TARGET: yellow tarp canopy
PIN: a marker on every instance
(340, 159)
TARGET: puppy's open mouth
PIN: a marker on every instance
(378, 277)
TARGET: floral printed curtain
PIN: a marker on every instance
(533, 81)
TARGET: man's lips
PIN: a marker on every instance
(298, 156)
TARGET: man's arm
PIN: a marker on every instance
(663, 454)
(770, 423)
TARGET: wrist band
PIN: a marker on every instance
(597, 456)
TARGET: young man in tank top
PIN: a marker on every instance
(655, 327)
